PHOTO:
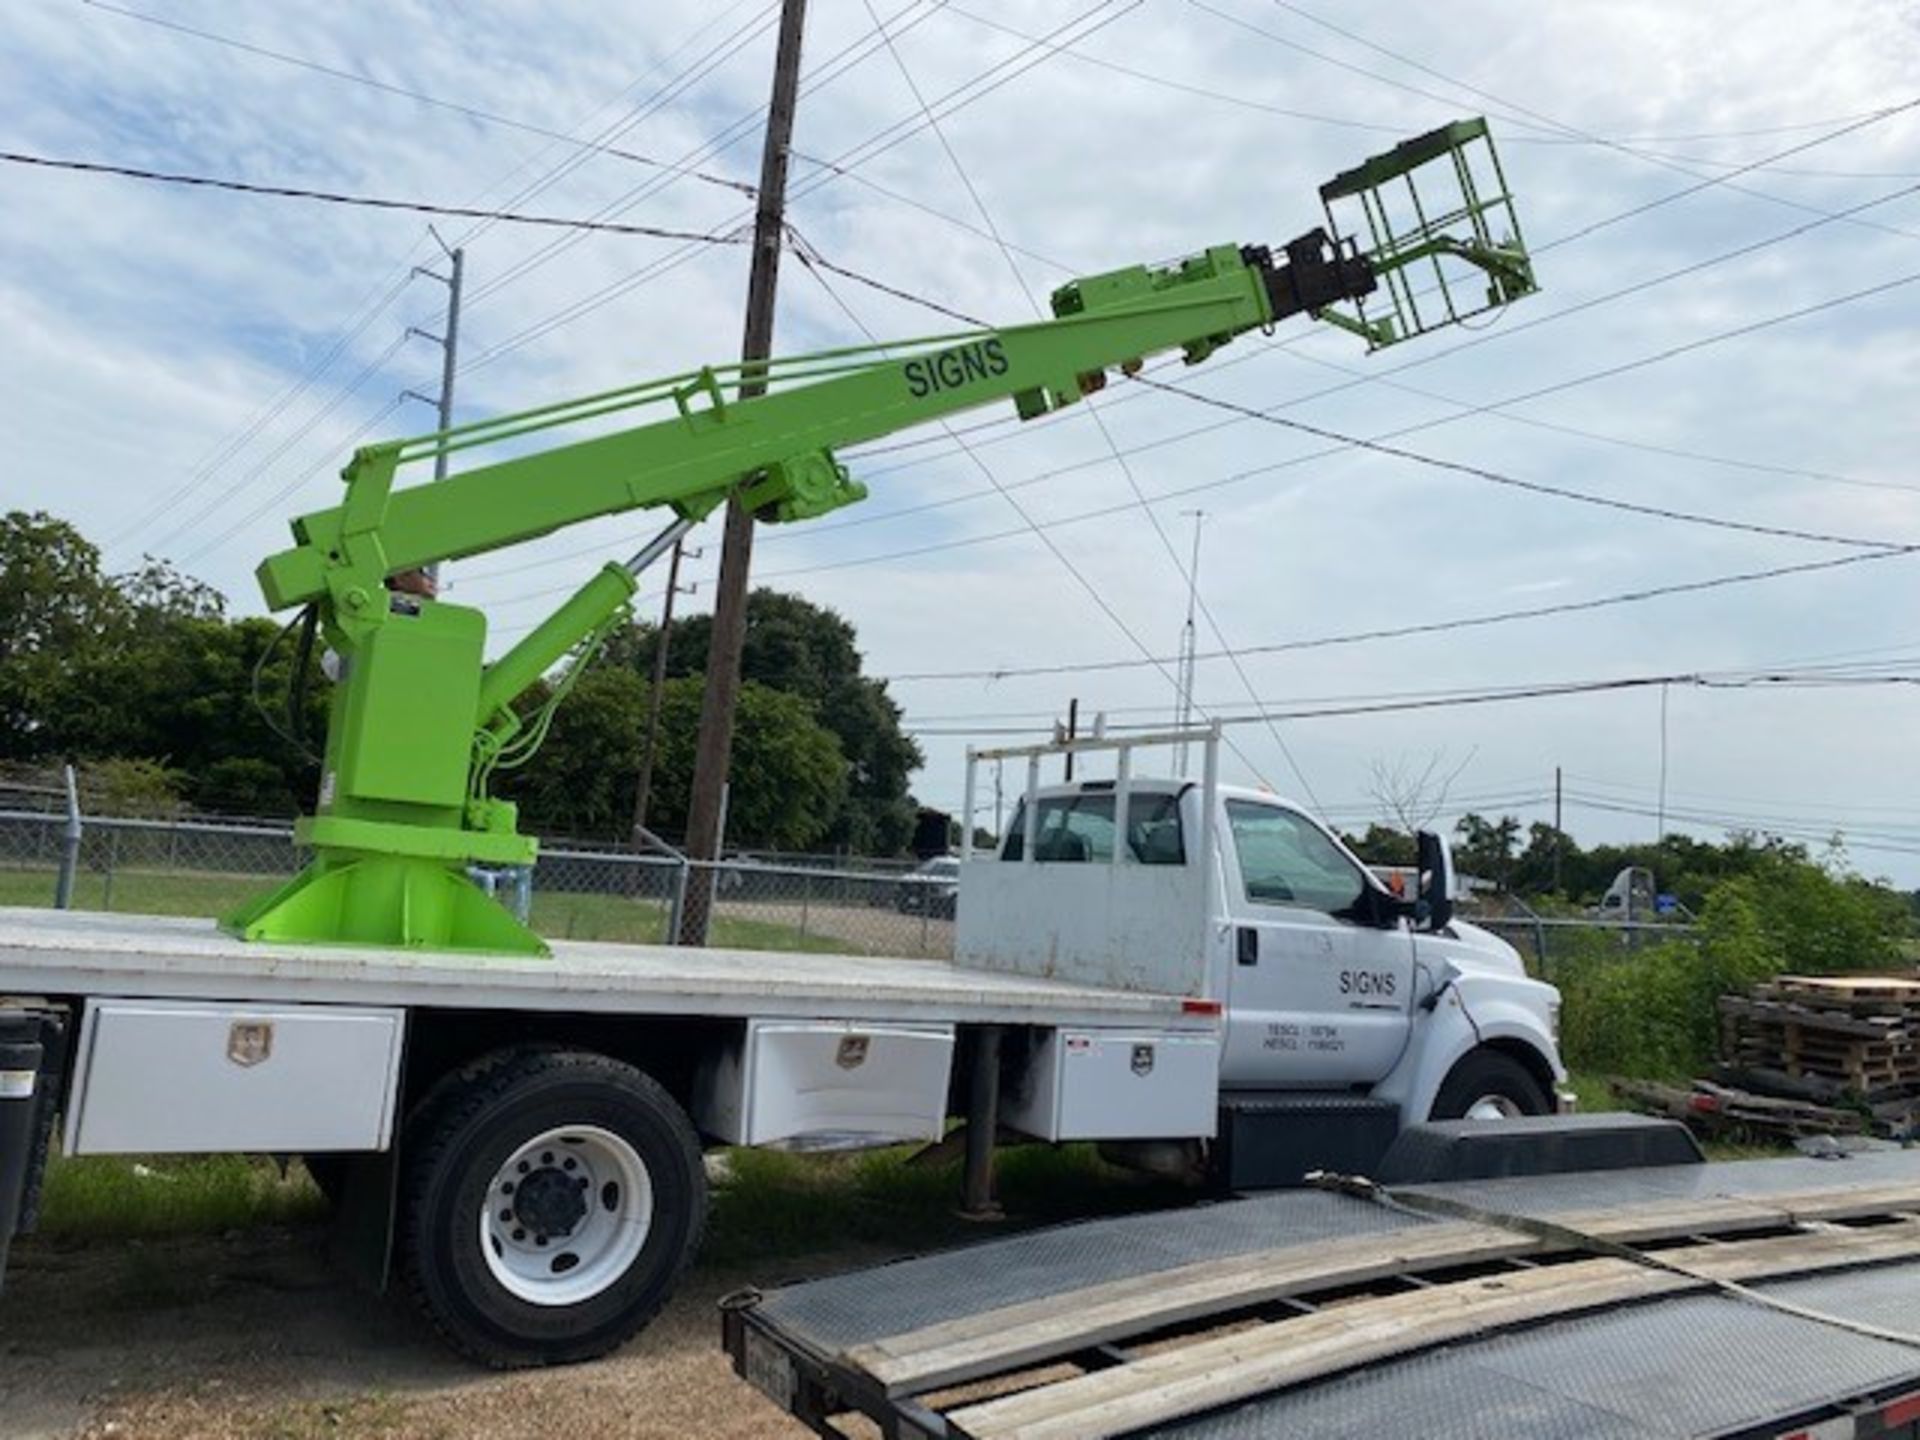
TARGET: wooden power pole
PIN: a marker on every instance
(715, 741)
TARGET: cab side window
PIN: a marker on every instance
(1286, 860)
(1079, 829)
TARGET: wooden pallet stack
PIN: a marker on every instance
(1859, 1033)
(1850, 1039)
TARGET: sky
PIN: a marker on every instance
(1723, 200)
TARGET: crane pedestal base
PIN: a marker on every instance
(407, 901)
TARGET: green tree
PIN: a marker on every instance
(1486, 848)
(1382, 845)
(788, 775)
(55, 607)
(806, 650)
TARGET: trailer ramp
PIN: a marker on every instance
(1316, 1314)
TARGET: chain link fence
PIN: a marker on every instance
(828, 904)
(207, 867)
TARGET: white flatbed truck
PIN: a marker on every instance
(1227, 990)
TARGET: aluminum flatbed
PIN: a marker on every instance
(67, 952)
(1309, 1313)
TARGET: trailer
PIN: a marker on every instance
(1766, 1299)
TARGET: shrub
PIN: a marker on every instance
(1653, 1011)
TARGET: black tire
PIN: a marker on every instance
(1489, 1074)
(470, 1131)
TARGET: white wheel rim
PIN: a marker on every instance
(1494, 1107)
(567, 1215)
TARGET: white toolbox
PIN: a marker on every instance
(1117, 1085)
(165, 1077)
(827, 1084)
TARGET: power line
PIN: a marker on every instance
(739, 129)
(1535, 487)
(1433, 357)
(1243, 413)
(1434, 627)
(1499, 696)
(1183, 680)
(703, 64)
(1348, 122)
(1705, 182)
(1744, 823)
(221, 454)
(371, 202)
(472, 112)
(860, 154)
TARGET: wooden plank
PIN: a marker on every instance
(955, 1351)
(1235, 1367)
(1850, 987)
(993, 1341)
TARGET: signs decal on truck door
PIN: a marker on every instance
(1370, 989)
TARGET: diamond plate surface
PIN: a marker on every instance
(1694, 1366)
(1544, 1194)
(1681, 1367)
(846, 1310)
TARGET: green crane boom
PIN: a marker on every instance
(420, 721)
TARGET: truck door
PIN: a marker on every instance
(1315, 998)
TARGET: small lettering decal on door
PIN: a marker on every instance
(1281, 1036)
(1325, 1039)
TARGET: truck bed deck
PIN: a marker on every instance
(1324, 1314)
(70, 952)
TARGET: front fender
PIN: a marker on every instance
(1474, 1010)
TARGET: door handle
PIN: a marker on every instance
(1246, 945)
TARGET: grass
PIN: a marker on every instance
(775, 1205)
(767, 1205)
(570, 915)
(557, 914)
(118, 1198)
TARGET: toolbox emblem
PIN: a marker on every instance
(853, 1052)
(249, 1041)
(1143, 1059)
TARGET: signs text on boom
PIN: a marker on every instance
(951, 368)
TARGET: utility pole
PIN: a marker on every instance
(1073, 731)
(644, 785)
(449, 344)
(1559, 834)
(715, 740)
(1189, 648)
(1663, 764)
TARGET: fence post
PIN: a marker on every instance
(806, 896)
(677, 906)
(113, 860)
(70, 847)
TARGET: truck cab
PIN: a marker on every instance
(1338, 998)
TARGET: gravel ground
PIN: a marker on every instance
(253, 1335)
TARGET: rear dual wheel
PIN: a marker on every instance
(553, 1200)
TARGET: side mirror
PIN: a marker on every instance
(1433, 908)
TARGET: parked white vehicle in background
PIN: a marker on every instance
(1202, 978)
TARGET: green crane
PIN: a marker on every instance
(420, 720)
